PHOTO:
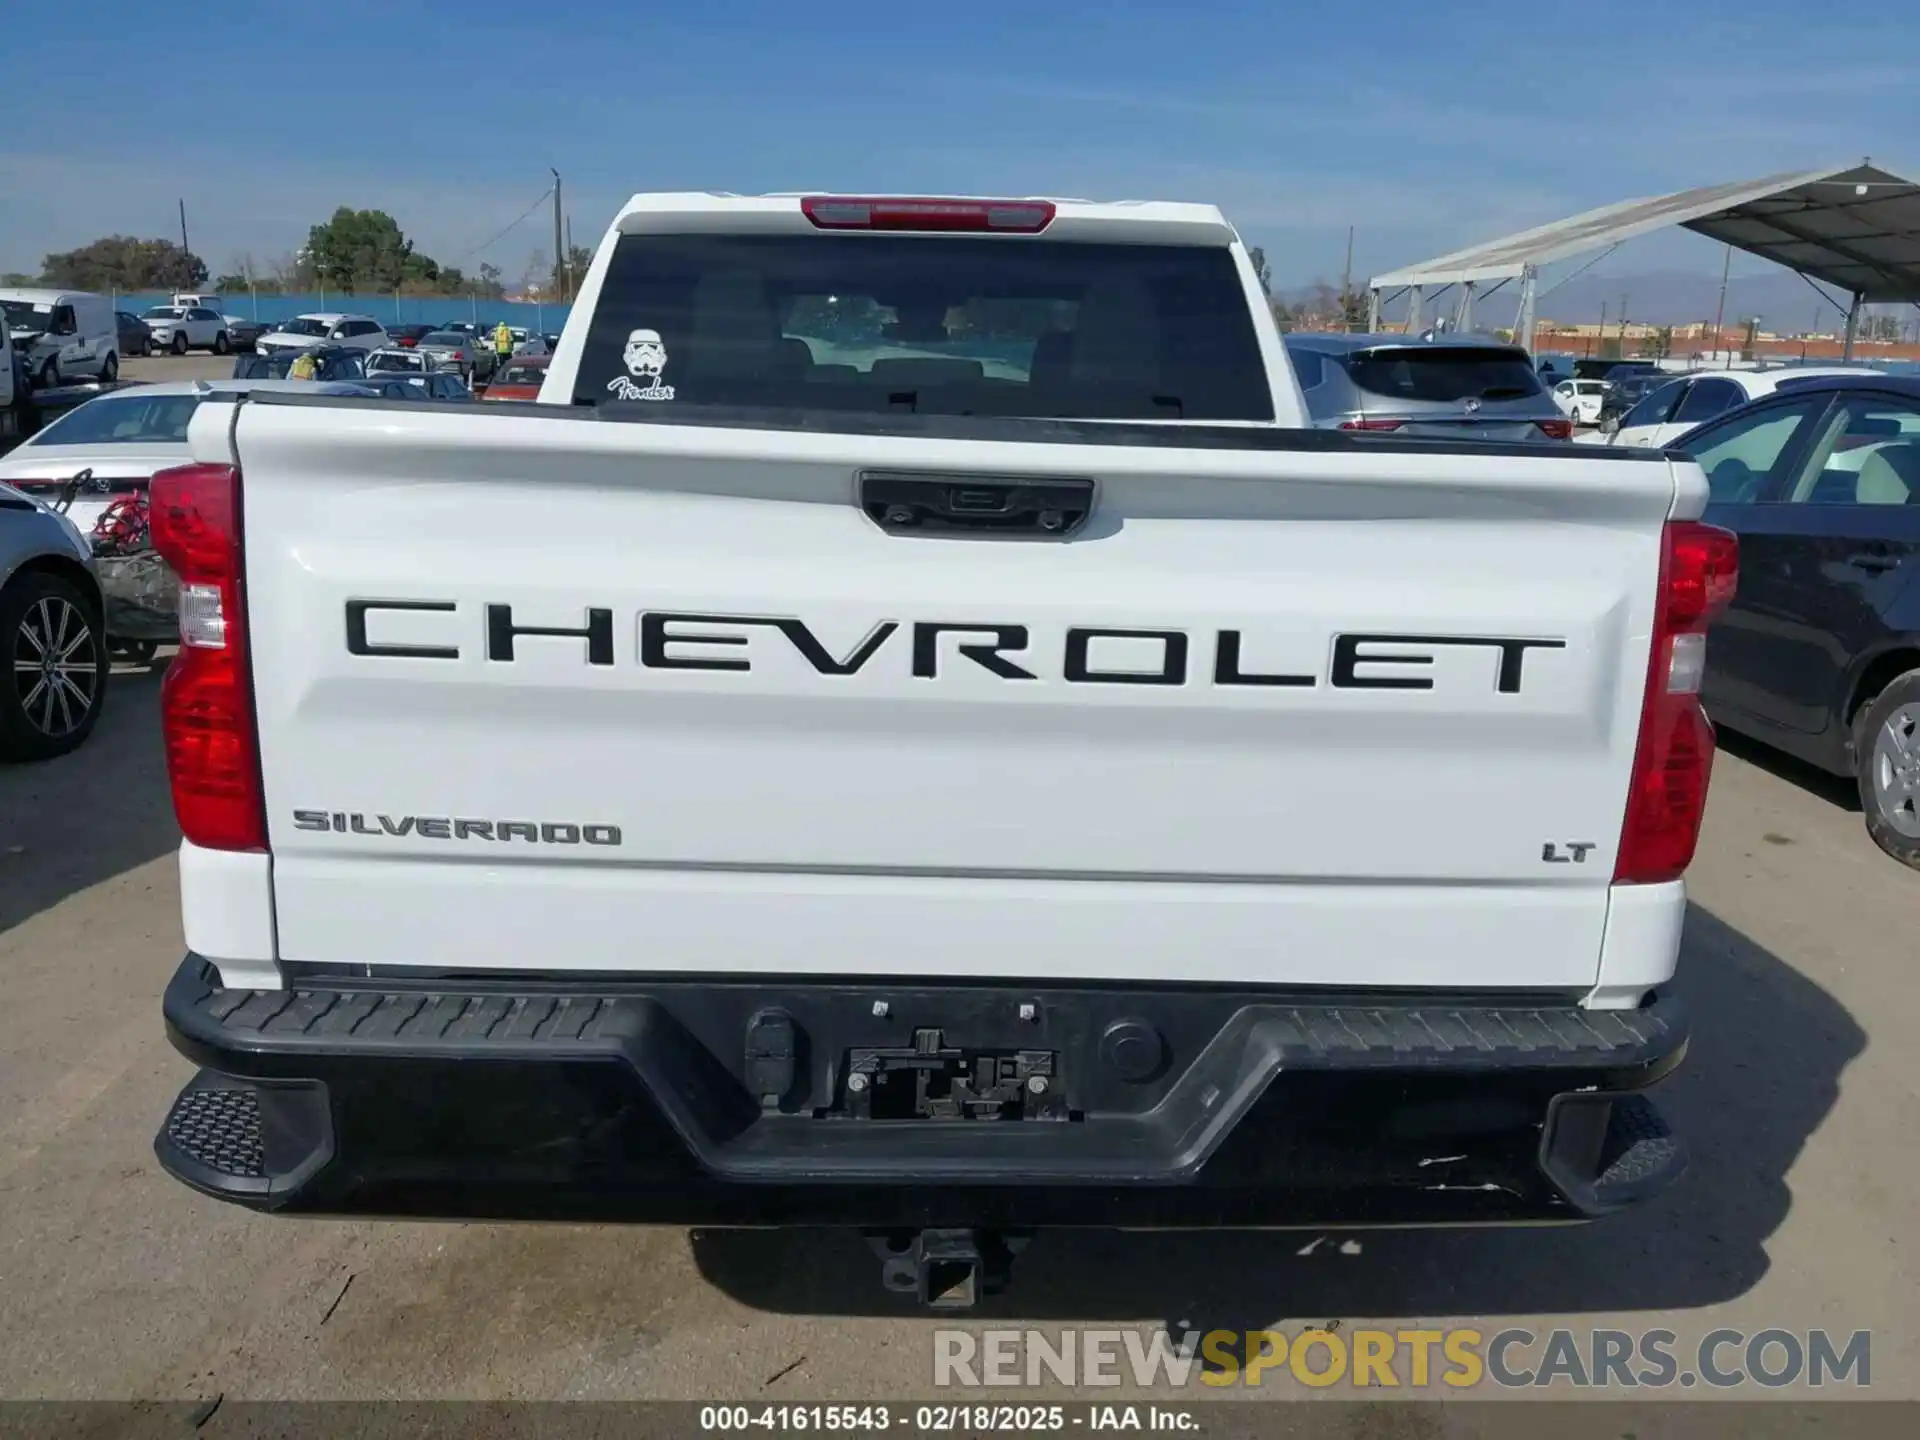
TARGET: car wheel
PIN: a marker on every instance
(56, 677)
(1886, 763)
(220, 343)
(110, 369)
(49, 375)
(179, 346)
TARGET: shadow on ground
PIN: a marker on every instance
(1834, 789)
(1768, 1050)
(70, 823)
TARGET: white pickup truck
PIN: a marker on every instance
(914, 731)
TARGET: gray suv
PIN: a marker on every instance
(1459, 387)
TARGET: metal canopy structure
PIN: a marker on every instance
(1856, 227)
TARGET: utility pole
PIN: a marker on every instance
(1623, 326)
(186, 265)
(559, 255)
(1346, 286)
(1603, 329)
(569, 259)
(1721, 309)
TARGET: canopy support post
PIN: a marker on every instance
(1529, 294)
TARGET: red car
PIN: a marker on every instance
(520, 379)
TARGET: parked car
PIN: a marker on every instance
(245, 333)
(136, 336)
(51, 632)
(1454, 387)
(63, 334)
(406, 362)
(336, 363)
(181, 328)
(407, 336)
(1581, 399)
(519, 379)
(1589, 368)
(1819, 653)
(430, 385)
(1667, 412)
(457, 351)
(1629, 390)
(124, 437)
(356, 332)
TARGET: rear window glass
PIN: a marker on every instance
(443, 337)
(522, 375)
(128, 420)
(930, 325)
(1444, 373)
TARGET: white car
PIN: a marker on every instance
(181, 328)
(124, 437)
(303, 332)
(1665, 414)
(395, 361)
(1581, 399)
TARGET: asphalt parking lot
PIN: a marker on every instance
(1799, 1099)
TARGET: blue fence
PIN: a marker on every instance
(387, 309)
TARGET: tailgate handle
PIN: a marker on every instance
(1009, 506)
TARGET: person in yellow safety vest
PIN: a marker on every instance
(502, 341)
(304, 367)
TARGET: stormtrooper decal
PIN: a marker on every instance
(646, 357)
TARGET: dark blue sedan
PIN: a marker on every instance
(1819, 654)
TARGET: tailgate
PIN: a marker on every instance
(541, 691)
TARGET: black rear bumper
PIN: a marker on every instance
(905, 1104)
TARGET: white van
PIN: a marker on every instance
(64, 334)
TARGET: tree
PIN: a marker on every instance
(1258, 257)
(363, 249)
(1659, 344)
(17, 278)
(120, 262)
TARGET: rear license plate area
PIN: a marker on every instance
(932, 1079)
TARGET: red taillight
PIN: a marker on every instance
(1556, 429)
(206, 701)
(866, 212)
(406, 343)
(1667, 795)
(1371, 424)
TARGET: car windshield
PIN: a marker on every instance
(383, 360)
(444, 337)
(123, 420)
(26, 315)
(522, 375)
(934, 324)
(305, 325)
(1443, 373)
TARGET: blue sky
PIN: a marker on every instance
(1426, 124)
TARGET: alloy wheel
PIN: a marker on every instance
(1896, 770)
(54, 667)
